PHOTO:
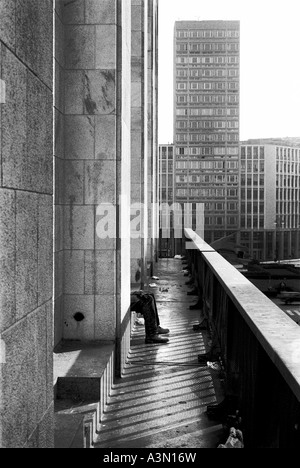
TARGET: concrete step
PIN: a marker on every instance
(76, 425)
(83, 379)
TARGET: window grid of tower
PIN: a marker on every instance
(166, 173)
(252, 187)
(206, 120)
(288, 187)
(270, 194)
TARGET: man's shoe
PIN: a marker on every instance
(156, 339)
(203, 325)
(162, 331)
(190, 282)
(197, 306)
(194, 292)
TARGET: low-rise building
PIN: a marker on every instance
(269, 199)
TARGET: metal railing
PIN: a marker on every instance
(257, 344)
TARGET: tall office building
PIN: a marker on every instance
(270, 193)
(166, 173)
(206, 122)
(166, 197)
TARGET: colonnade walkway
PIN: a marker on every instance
(161, 399)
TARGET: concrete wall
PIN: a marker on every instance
(26, 199)
(92, 168)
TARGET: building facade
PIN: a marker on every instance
(72, 142)
(270, 194)
(166, 197)
(206, 121)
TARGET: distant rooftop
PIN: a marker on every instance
(207, 24)
(286, 141)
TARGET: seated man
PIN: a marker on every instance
(145, 304)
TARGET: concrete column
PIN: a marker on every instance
(96, 176)
(59, 167)
(144, 144)
(289, 244)
(139, 143)
(152, 133)
(251, 243)
(155, 197)
(274, 244)
(281, 244)
(123, 183)
(264, 246)
(26, 224)
(150, 138)
(296, 246)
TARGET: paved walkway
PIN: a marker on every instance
(160, 401)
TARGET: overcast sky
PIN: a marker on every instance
(270, 62)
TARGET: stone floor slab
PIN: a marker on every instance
(161, 399)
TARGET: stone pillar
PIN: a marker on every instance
(155, 149)
(153, 136)
(26, 224)
(290, 249)
(96, 174)
(123, 183)
(296, 245)
(274, 244)
(281, 243)
(152, 133)
(139, 118)
(59, 122)
(144, 152)
(264, 246)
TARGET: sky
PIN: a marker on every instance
(269, 62)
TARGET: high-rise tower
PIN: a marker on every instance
(206, 121)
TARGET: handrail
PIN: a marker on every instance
(275, 331)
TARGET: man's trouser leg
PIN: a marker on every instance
(149, 313)
(155, 309)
